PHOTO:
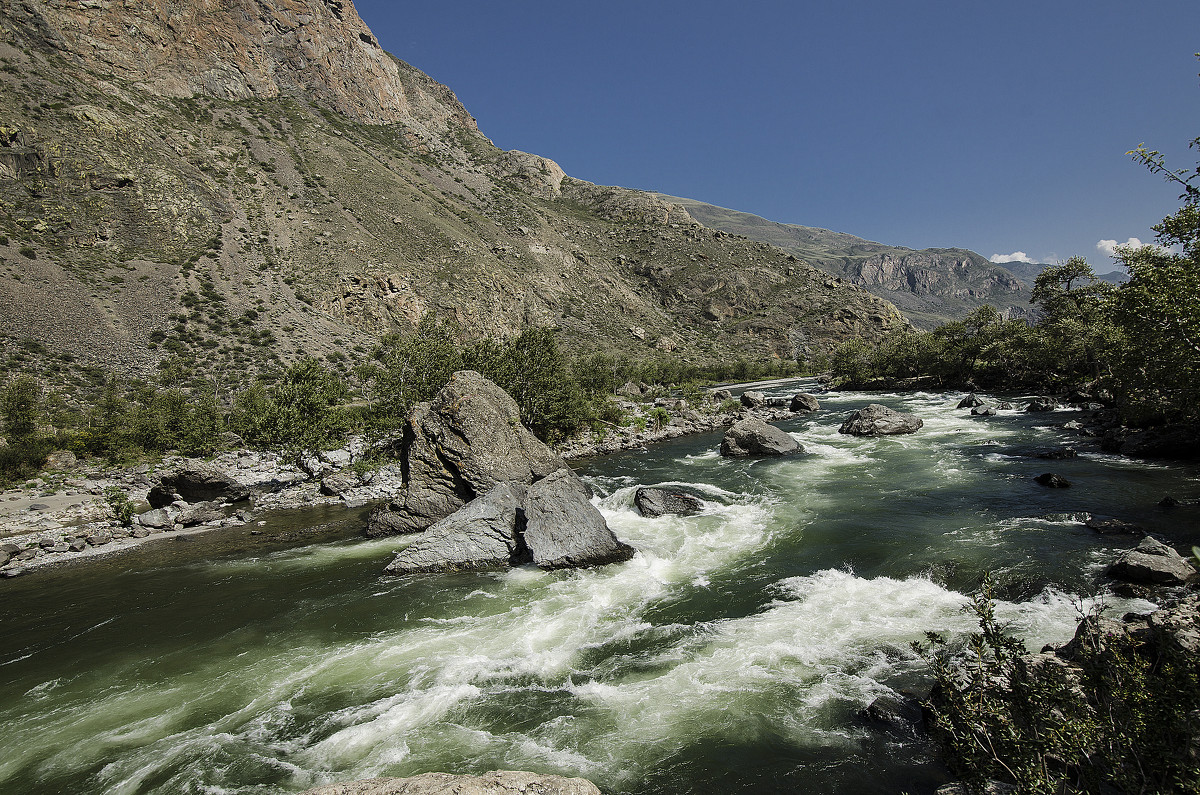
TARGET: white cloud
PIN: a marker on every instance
(1016, 256)
(1109, 247)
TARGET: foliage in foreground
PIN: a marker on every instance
(1121, 717)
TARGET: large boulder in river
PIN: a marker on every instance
(497, 782)
(196, 482)
(970, 401)
(461, 444)
(552, 524)
(879, 420)
(804, 402)
(482, 534)
(753, 436)
(562, 527)
(1152, 563)
(753, 399)
(654, 502)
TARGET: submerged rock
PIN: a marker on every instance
(753, 436)
(498, 782)
(1152, 563)
(1108, 526)
(1053, 481)
(461, 444)
(879, 420)
(658, 502)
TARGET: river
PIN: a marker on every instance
(733, 653)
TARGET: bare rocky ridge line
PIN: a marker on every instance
(930, 286)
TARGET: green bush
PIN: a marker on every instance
(1120, 717)
(122, 507)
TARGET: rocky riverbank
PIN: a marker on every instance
(68, 514)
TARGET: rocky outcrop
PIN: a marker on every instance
(654, 502)
(243, 49)
(498, 782)
(879, 420)
(460, 445)
(196, 482)
(1152, 563)
(753, 437)
(562, 527)
(970, 401)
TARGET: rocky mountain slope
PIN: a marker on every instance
(930, 286)
(214, 187)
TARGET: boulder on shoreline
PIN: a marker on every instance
(1152, 563)
(754, 437)
(878, 420)
(461, 444)
(196, 482)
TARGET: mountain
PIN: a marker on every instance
(217, 186)
(930, 286)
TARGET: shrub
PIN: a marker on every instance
(1121, 716)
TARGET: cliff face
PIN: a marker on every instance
(243, 49)
(214, 187)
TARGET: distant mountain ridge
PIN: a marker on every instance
(930, 286)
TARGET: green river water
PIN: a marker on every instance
(732, 654)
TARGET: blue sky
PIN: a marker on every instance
(999, 127)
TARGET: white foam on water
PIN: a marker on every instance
(313, 557)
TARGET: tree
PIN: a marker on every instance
(21, 407)
(412, 368)
(1159, 306)
(1079, 335)
(299, 414)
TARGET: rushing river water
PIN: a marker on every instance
(733, 653)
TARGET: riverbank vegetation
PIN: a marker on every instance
(309, 405)
(1138, 343)
(1113, 711)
